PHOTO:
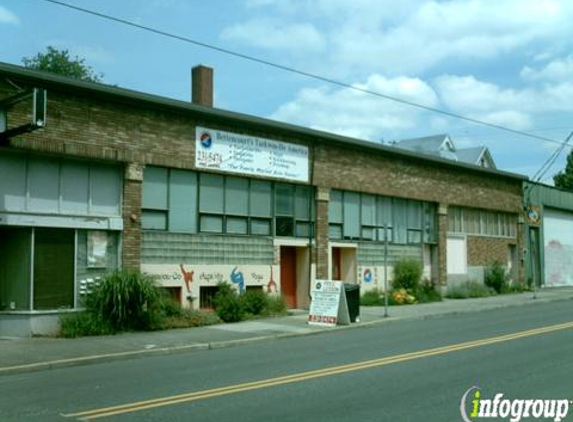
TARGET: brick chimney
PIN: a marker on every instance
(202, 85)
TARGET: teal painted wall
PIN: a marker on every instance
(542, 196)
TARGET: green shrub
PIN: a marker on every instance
(227, 303)
(372, 298)
(515, 288)
(125, 301)
(255, 301)
(276, 306)
(83, 324)
(407, 274)
(428, 292)
(495, 277)
(189, 318)
(470, 289)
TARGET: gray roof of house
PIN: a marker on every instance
(139, 99)
(470, 155)
(426, 145)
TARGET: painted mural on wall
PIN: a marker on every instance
(372, 277)
(190, 278)
(558, 264)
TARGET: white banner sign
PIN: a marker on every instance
(328, 305)
(234, 153)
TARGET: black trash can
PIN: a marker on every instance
(352, 292)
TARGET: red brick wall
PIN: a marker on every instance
(486, 250)
(86, 126)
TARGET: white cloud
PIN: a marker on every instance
(6, 16)
(352, 113)
(466, 94)
(558, 69)
(273, 34)
(405, 37)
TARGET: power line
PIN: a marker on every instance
(551, 160)
(298, 71)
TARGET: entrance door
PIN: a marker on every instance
(53, 268)
(288, 275)
(336, 264)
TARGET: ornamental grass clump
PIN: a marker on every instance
(125, 300)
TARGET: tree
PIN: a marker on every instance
(60, 62)
(564, 179)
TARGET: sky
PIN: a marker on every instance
(506, 62)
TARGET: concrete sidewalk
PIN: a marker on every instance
(24, 355)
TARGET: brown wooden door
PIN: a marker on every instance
(336, 264)
(288, 275)
(53, 268)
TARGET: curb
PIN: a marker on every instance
(163, 351)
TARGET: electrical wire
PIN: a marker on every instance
(298, 71)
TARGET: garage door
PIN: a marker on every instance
(558, 244)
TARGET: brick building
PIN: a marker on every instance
(198, 195)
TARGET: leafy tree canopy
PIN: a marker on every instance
(564, 179)
(60, 62)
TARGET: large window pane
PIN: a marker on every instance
(237, 225)
(155, 185)
(260, 198)
(414, 215)
(43, 185)
(106, 190)
(75, 188)
(211, 197)
(183, 201)
(384, 211)
(260, 227)
(400, 220)
(284, 199)
(368, 211)
(237, 196)
(335, 207)
(154, 220)
(351, 215)
(13, 182)
(301, 202)
(211, 223)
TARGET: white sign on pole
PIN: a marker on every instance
(328, 305)
(235, 153)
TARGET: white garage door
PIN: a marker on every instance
(558, 239)
(457, 255)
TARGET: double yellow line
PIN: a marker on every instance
(304, 376)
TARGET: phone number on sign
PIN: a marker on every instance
(323, 318)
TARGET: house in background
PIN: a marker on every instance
(443, 146)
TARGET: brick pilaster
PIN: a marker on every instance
(442, 244)
(132, 195)
(321, 247)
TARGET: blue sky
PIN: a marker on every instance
(509, 62)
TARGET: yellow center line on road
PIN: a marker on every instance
(304, 376)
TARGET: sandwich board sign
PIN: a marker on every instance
(328, 305)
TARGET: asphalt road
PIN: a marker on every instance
(398, 371)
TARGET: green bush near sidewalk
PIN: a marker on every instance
(470, 289)
(130, 301)
(231, 306)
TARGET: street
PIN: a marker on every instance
(415, 370)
